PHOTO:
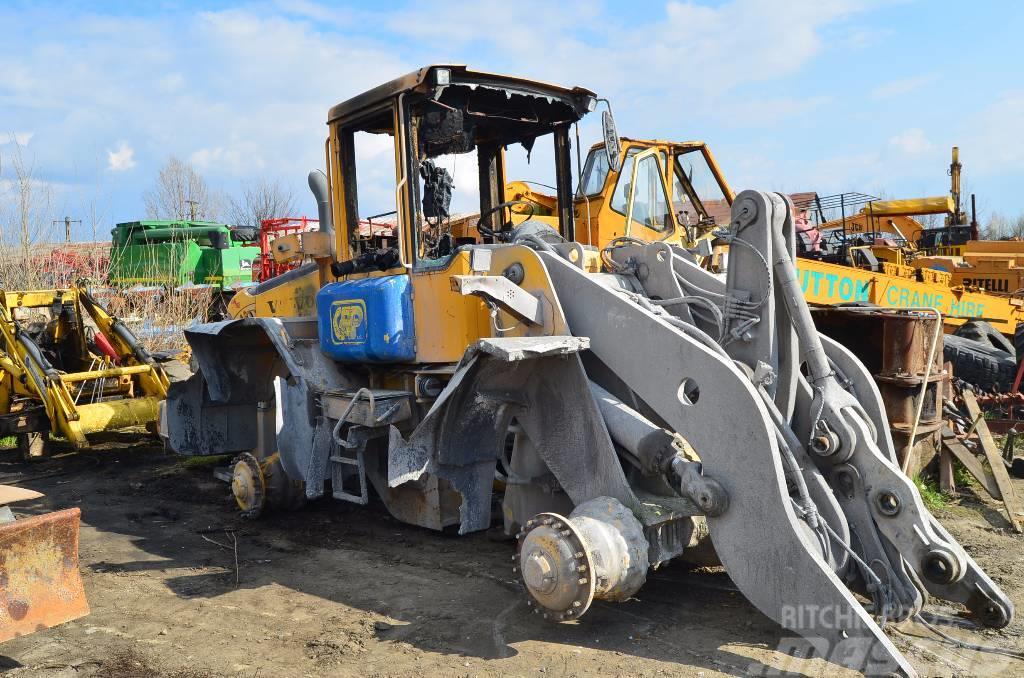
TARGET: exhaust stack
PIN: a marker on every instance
(318, 185)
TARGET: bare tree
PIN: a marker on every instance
(181, 193)
(25, 215)
(1015, 228)
(261, 199)
(1003, 228)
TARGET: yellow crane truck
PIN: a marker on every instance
(609, 406)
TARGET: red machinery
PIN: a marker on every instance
(265, 267)
(61, 267)
(376, 228)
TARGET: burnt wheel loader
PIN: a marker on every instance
(69, 368)
(615, 405)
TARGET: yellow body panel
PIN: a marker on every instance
(537, 283)
(902, 225)
(446, 321)
(995, 266)
(830, 284)
(293, 299)
(1003, 247)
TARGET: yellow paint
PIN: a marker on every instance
(829, 284)
(116, 414)
(242, 304)
(596, 222)
(140, 385)
(293, 299)
(537, 283)
(446, 321)
(348, 322)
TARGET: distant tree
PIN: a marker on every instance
(182, 193)
(995, 227)
(25, 201)
(1015, 228)
(1000, 227)
(25, 219)
(261, 199)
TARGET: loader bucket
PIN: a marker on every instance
(40, 585)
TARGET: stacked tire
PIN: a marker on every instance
(983, 357)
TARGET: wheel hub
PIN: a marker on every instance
(538, 573)
(554, 567)
(248, 485)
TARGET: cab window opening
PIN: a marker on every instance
(696, 181)
(650, 204)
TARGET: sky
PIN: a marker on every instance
(791, 95)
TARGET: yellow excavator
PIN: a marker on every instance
(611, 405)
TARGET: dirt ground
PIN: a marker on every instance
(337, 589)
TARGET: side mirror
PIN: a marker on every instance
(612, 146)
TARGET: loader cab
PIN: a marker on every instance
(424, 150)
(677, 193)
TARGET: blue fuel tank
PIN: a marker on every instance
(368, 320)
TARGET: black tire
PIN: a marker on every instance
(980, 364)
(33, 445)
(979, 330)
(1017, 467)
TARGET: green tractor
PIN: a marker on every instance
(153, 258)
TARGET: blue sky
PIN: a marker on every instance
(823, 95)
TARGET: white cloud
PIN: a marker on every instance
(772, 111)
(911, 141)
(993, 137)
(896, 88)
(172, 82)
(690, 54)
(122, 158)
(243, 92)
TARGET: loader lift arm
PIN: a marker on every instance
(814, 493)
